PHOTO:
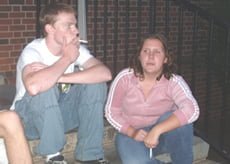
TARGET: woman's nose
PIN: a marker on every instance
(151, 55)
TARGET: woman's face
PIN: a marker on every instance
(152, 57)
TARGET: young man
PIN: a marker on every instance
(47, 110)
(11, 131)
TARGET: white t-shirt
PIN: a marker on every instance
(37, 51)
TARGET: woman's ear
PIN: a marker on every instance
(166, 60)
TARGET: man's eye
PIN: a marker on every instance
(146, 51)
(70, 26)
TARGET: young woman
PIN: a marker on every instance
(152, 107)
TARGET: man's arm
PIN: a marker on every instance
(94, 72)
(38, 77)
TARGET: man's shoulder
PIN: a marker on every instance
(35, 44)
(32, 50)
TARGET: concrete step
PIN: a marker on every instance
(111, 155)
(71, 139)
(200, 149)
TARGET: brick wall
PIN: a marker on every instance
(112, 45)
(18, 27)
(112, 41)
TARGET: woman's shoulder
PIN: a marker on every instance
(125, 72)
(179, 81)
(176, 78)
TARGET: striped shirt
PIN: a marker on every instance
(126, 105)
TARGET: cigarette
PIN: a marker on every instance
(150, 153)
(83, 41)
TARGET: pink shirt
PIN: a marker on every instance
(126, 105)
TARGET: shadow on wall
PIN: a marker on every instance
(7, 93)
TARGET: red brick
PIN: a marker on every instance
(15, 53)
(17, 15)
(28, 21)
(17, 34)
(29, 8)
(5, 8)
(5, 34)
(17, 27)
(4, 68)
(14, 2)
(4, 2)
(4, 54)
(3, 15)
(6, 48)
(16, 8)
(4, 61)
(4, 21)
(4, 28)
(17, 40)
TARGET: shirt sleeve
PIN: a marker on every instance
(187, 107)
(113, 108)
(29, 55)
(84, 56)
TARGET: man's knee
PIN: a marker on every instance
(98, 87)
(10, 123)
(96, 91)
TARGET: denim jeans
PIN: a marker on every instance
(178, 143)
(49, 115)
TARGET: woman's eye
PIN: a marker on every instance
(156, 52)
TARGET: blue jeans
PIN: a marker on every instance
(178, 143)
(49, 115)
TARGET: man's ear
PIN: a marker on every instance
(49, 28)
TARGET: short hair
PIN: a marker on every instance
(168, 68)
(49, 14)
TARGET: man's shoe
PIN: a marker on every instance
(59, 159)
(99, 161)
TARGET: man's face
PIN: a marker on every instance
(65, 28)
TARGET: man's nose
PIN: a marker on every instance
(75, 31)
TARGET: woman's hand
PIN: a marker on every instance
(140, 135)
(152, 139)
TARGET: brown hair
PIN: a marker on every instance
(49, 14)
(168, 68)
